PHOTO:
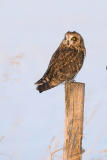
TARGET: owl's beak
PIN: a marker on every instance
(68, 42)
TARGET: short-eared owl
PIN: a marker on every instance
(65, 62)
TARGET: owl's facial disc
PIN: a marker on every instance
(71, 39)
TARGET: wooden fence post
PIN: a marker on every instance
(74, 100)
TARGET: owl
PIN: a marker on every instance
(65, 63)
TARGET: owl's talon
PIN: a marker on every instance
(71, 80)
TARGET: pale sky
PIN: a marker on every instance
(30, 32)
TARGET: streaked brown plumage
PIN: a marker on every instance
(65, 62)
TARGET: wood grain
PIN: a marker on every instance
(74, 109)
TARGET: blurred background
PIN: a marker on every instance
(32, 124)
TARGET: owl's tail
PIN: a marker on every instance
(42, 85)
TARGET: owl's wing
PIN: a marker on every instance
(52, 61)
(63, 56)
(54, 57)
(64, 64)
(59, 54)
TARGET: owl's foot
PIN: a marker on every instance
(71, 80)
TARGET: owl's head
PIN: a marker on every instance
(73, 39)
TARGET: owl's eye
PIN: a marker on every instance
(74, 38)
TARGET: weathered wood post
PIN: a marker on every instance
(74, 100)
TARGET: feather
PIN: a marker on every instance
(65, 63)
(43, 87)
